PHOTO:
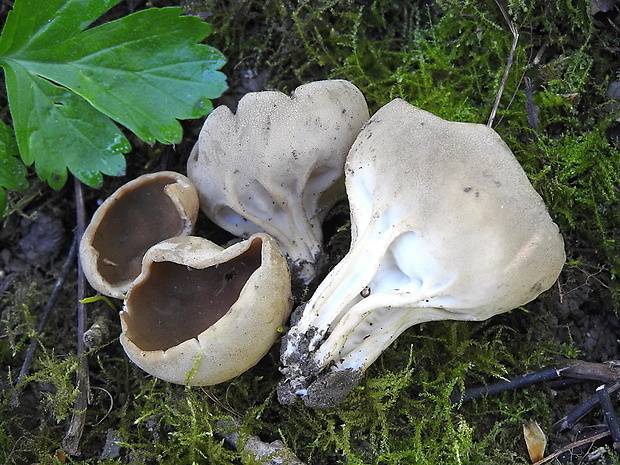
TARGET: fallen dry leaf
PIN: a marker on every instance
(535, 440)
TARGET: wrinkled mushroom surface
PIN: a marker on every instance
(445, 225)
(141, 213)
(277, 165)
(199, 314)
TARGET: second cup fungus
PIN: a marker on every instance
(445, 226)
(149, 209)
(277, 165)
(199, 315)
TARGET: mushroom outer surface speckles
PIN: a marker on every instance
(199, 314)
(277, 165)
(445, 226)
(141, 213)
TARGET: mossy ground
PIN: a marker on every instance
(444, 56)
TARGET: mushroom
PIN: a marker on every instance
(138, 215)
(445, 226)
(199, 315)
(277, 165)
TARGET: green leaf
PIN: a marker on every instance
(57, 130)
(97, 298)
(38, 25)
(156, 65)
(145, 71)
(12, 171)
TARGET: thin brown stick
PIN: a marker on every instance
(509, 61)
(71, 441)
(608, 372)
(589, 441)
(27, 363)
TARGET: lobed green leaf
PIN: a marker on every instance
(57, 130)
(66, 83)
(132, 68)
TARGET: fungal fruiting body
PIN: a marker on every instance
(199, 315)
(276, 166)
(445, 226)
(141, 213)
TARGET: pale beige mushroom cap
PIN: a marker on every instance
(445, 225)
(199, 314)
(277, 165)
(139, 214)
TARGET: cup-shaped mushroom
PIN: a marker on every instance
(138, 215)
(199, 314)
(277, 165)
(445, 226)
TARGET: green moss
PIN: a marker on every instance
(403, 411)
(52, 370)
(176, 425)
(578, 174)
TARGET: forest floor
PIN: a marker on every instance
(446, 57)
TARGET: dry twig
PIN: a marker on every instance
(574, 448)
(71, 441)
(511, 56)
